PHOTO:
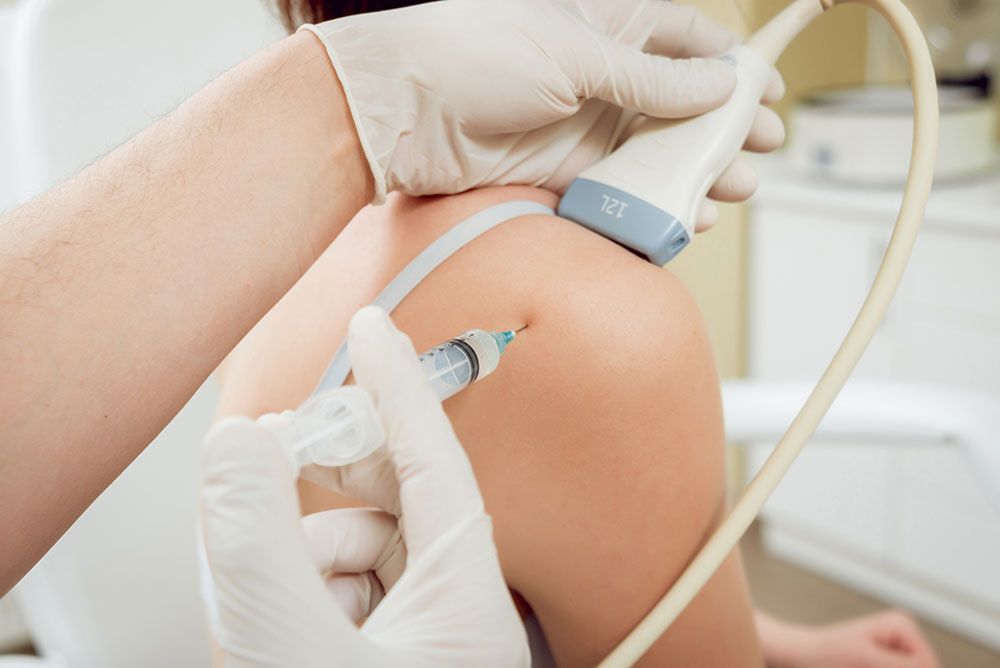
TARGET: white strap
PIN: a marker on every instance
(429, 259)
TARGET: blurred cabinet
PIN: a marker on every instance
(912, 526)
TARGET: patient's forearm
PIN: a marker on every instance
(123, 288)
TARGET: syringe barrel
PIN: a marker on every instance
(456, 364)
(340, 426)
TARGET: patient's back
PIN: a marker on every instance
(597, 443)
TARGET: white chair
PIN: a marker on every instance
(898, 498)
(875, 411)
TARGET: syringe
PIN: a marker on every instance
(454, 365)
(340, 426)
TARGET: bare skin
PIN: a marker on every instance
(124, 279)
(122, 289)
(598, 442)
(887, 639)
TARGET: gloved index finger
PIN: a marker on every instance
(655, 85)
(681, 31)
(260, 566)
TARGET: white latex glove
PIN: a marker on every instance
(453, 95)
(288, 597)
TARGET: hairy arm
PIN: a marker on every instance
(122, 289)
(598, 443)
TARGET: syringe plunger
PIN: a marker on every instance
(458, 363)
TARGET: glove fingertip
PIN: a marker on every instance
(382, 357)
(708, 216)
(737, 183)
(371, 319)
(776, 88)
(372, 332)
(707, 36)
(248, 496)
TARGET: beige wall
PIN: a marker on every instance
(829, 53)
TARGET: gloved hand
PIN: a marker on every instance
(291, 597)
(453, 95)
(888, 639)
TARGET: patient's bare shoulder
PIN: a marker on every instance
(279, 361)
(598, 441)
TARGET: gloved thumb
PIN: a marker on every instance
(270, 595)
(654, 85)
(437, 488)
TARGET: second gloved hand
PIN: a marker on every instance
(449, 96)
(424, 574)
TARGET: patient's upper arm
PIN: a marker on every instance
(598, 441)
